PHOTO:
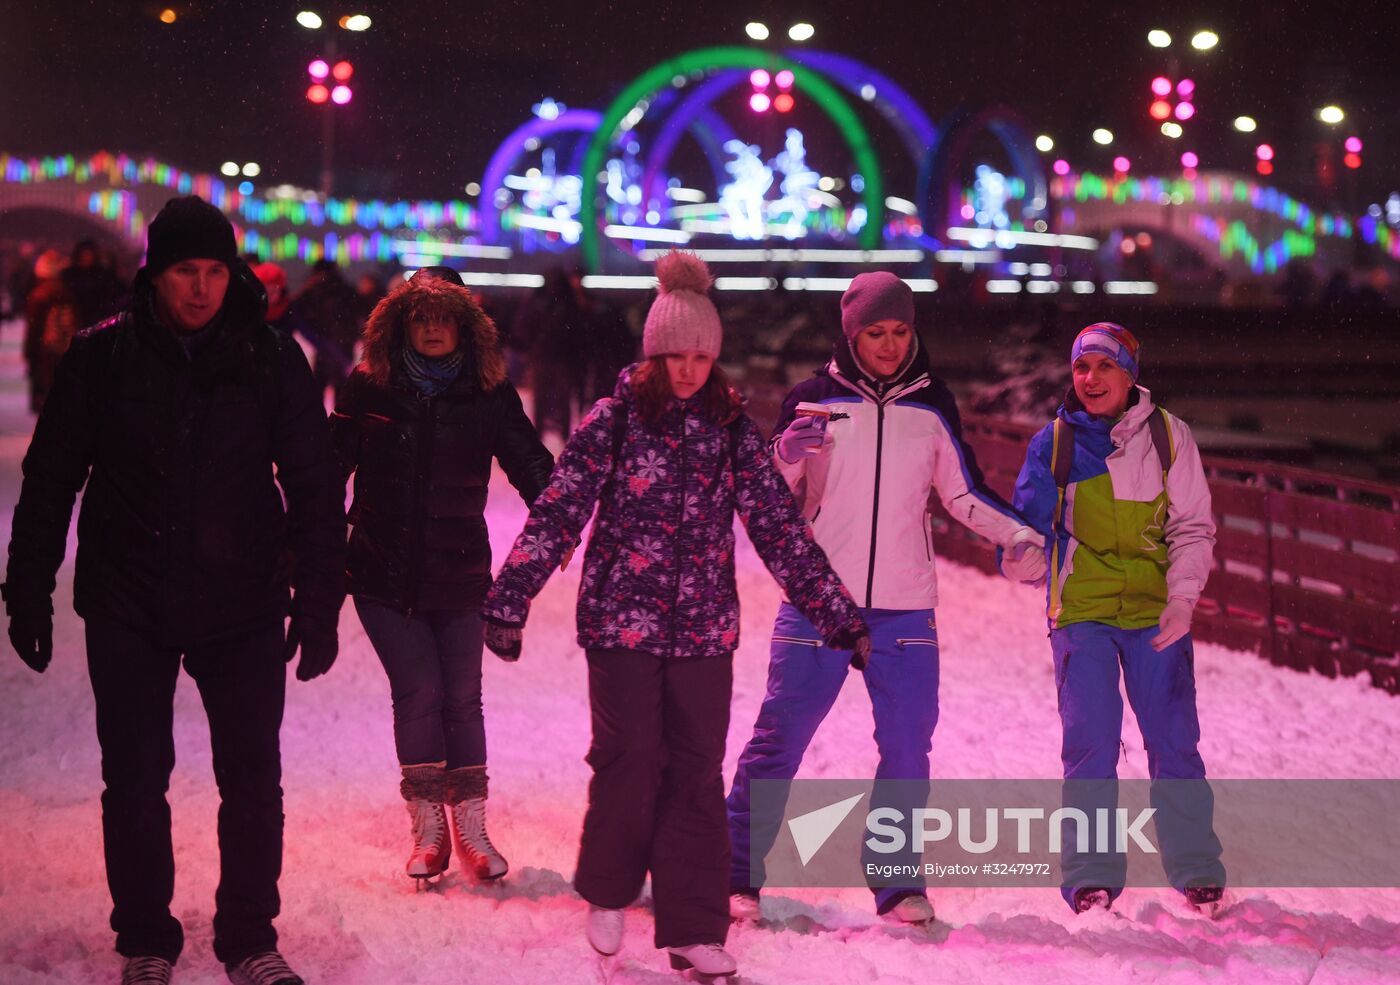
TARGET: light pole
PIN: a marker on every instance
(1173, 98)
(330, 87)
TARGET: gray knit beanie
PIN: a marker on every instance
(682, 317)
(874, 297)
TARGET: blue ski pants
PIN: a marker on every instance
(804, 679)
(1161, 688)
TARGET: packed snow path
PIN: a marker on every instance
(350, 916)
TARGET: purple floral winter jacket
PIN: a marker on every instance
(659, 571)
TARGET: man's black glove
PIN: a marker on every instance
(318, 642)
(502, 639)
(31, 627)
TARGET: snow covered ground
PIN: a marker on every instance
(350, 916)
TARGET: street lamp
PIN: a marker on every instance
(1204, 40)
(801, 31)
(756, 30)
(1103, 136)
(1159, 39)
(1245, 124)
(329, 85)
(1331, 115)
(1044, 143)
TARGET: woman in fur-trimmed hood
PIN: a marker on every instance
(418, 423)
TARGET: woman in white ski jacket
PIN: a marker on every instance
(861, 468)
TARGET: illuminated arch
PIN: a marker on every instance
(889, 99)
(584, 121)
(693, 109)
(713, 59)
(939, 188)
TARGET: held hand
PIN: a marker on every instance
(1174, 623)
(860, 654)
(1024, 562)
(502, 640)
(802, 439)
(319, 645)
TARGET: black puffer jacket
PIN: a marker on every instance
(422, 465)
(183, 532)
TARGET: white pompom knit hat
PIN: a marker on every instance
(682, 317)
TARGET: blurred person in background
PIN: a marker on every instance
(51, 321)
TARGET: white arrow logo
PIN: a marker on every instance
(810, 831)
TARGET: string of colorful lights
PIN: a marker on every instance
(379, 231)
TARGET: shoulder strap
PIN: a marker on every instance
(1061, 458)
(731, 436)
(1062, 453)
(619, 432)
(1162, 438)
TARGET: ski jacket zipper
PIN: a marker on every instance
(875, 507)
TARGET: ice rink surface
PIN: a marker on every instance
(350, 916)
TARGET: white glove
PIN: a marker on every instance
(1023, 559)
(1174, 623)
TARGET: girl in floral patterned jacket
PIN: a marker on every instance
(668, 459)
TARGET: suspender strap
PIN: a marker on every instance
(1061, 458)
(1161, 440)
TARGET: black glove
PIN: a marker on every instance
(318, 642)
(31, 627)
(860, 655)
(503, 639)
(857, 641)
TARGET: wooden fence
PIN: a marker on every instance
(1307, 564)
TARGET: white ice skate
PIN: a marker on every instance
(1088, 898)
(432, 846)
(474, 846)
(912, 911)
(604, 929)
(1206, 900)
(707, 961)
(744, 907)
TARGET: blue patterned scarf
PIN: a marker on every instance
(431, 375)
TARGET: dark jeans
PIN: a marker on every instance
(656, 800)
(433, 660)
(242, 682)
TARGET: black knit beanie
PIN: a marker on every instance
(188, 228)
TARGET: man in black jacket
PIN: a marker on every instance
(175, 415)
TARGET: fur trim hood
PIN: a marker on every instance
(432, 298)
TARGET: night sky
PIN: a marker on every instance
(438, 84)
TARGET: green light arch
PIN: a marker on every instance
(710, 59)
